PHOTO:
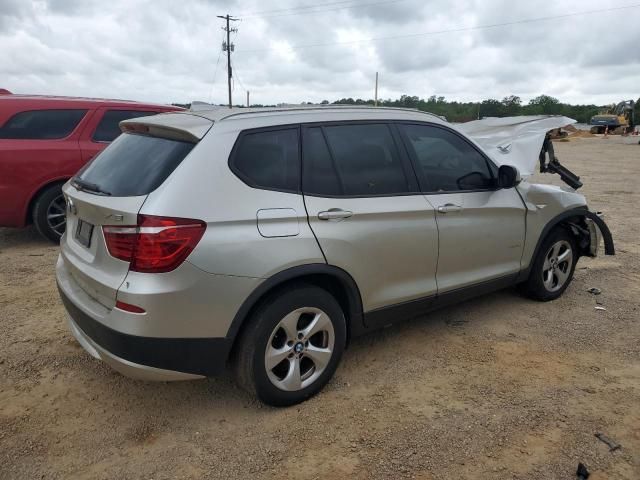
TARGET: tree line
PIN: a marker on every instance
(455, 111)
(512, 105)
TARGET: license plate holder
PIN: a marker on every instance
(84, 232)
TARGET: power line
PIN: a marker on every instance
(234, 69)
(215, 72)
(238, 76)
(317, 9)
(293, 9)
(302, 7)
(453, 30)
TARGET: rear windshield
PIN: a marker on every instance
(134, 165)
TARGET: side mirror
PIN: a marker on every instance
(508, 176)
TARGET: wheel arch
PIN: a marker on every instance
(571, 219)
(28, 214)
(333, 279)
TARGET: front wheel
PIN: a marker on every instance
(50, 213)
(553, 267)
(291, 346)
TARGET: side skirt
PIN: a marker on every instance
(385, 316)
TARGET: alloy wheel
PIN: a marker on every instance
(299, 349)
(557, 265)
(57, 215)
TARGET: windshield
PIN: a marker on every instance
(132, 165)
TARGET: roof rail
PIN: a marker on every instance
(247, 111)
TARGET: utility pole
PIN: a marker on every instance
(247, 98)
(376, 94)
(228, 47)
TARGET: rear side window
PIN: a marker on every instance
(134, 164)
(268, 159)
(447, 162)
(108, 128)
(42, 124)
(356, 160)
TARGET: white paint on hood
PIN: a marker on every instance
(514, 141)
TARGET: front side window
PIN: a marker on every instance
(41, 124)
(447, 162)
(108, 128)
(269, 159)
(352, 160)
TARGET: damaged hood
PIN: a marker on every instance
(514, 141)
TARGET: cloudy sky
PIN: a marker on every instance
(294, 51)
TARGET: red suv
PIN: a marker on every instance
(43, 142)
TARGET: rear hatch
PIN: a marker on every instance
(110, 191)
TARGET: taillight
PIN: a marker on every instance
(156, 244)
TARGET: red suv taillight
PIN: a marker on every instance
(156, 244)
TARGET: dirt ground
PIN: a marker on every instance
(496, 388)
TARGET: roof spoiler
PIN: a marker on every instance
(549, 164)
(181, 126)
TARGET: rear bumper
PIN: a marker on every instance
(125, 367)
(149, 358)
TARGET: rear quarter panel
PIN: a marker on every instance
(203, 187)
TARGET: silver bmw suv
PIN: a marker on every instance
(265, 239)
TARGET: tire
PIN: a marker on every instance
(274, 330)
(553, 268)
(49, 211)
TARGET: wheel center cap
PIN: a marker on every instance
(298, 347)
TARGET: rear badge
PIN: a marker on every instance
(115, 218)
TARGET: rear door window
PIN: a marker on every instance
(42, 124)
(355, 160)
(268, 159)
(134, 165)
(108, 128)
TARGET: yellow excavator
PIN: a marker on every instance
(617, 119)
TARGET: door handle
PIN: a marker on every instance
(449, 208)
(334, 214)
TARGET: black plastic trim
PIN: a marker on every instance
(607, 238)
(465, 293)
(384, 316)
(575, 212)
(347, 282)
(199, 356)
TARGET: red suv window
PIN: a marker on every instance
(108, 128)
(42, 124)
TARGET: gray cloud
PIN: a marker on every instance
(162, 50)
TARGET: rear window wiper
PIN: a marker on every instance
(89, 187)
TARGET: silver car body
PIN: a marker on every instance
(392, 251)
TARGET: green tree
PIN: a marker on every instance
(512, 104)
(546, 105)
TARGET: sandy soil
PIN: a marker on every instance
(497, 387)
